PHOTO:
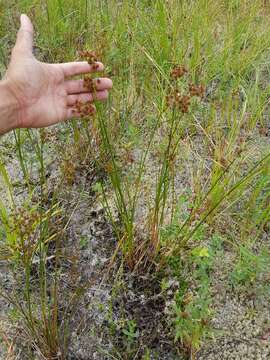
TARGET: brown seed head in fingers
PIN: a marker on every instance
(95, 66)
(89, 56)
(89, 84)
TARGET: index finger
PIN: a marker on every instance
(80, 67)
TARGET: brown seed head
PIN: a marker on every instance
(196, 90)
(89, 84)
(176, 100)
(178, 71)
(184, 103)
(95, 66)
(89, 56)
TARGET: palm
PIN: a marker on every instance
(40, 90)
(51, 98)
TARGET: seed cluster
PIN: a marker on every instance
(177, 100)
(178, 71)
(90, 57)
(24, 221)
(197, 90)
(84, 109)
(87, 109)
(89, 84)
(68, 168)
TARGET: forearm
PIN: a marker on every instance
(8, 108)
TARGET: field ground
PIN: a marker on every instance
(142, 232)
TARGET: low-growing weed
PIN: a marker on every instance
(190, 310)
(131, 332)
(250, 267)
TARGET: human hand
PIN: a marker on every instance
(44, 93)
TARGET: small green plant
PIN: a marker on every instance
(192, 312)
(147, 355)
(84, 242)
(191, 307)
(250, 267)
(131, 332)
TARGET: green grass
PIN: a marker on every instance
(170, 180)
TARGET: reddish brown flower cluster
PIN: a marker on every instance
(68, 168)
(196, 90)
(178, 71)
(89, 84)
(184, 103)
(176, 100)
(90, 57)
(24, 221)
(84, 109)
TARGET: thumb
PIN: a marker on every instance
(25, 34)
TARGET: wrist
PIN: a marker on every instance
(9, 108)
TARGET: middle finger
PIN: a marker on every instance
(79, 86)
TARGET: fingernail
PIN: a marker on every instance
(23, 19)
(26, 23)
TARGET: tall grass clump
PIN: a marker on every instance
(222, 118)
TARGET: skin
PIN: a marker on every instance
(34, 94)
